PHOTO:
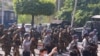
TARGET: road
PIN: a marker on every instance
(37, 51)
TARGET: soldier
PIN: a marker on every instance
(69, 34)
(22, 31)
(1, 30)
(55, 36)
(7, 42)
(34, 42)
(39, 30)
(34, 34)
(16, 42)
(33, 46)
(61, 42)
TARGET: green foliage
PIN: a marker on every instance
(85, 9)
(34, 7)
(46, 8)
(24, 18)
(65, 13)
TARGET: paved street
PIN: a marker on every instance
(37, 51)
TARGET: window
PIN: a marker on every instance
(0, 14)
(88, 24)
(12, 16)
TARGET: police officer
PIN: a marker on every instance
(93, 46)
(26, 45)
(47, 41)
(85, 45)
(73, 47)
(22, 31)
(84, 31)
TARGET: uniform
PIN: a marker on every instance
(93, 47)
(84, 31)
(47, 41)
(74, 51)
(22, 31)
(33, 46)
(7, 43)
(85, 45)
(16, 43)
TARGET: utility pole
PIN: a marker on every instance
(2, 11)
(73, 13)
(58, 4)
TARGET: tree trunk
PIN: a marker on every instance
(32, 22)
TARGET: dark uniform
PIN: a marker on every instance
(34, 34)
(33, 46)
(55, 37)
(1, 30)
(61, 43)
(74, 51)
(7, 42)
(16, 43)
(22, 31)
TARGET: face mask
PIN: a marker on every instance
(77, 40)
(45, 54)
(8, 32)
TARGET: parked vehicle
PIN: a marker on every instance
(90, 25)
(8, 19)
(60, 23)
(27, 26)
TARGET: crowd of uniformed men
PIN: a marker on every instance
(65, 39)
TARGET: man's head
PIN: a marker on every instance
(75, 37)
(26, 35)
(85, 35)
(43, 52)
(48, 31)
(91, 34)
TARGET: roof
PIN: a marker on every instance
(56, 21)
(96, 16)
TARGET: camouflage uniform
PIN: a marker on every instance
(7, 42)
(16, 43)
(22, 31)
(1, 30)
(61, 43)
(34, 43)
(54, 37)
(33, 46)
(34, 34)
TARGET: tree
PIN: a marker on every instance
(24, 18)
(34, 7)
(85, 9)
